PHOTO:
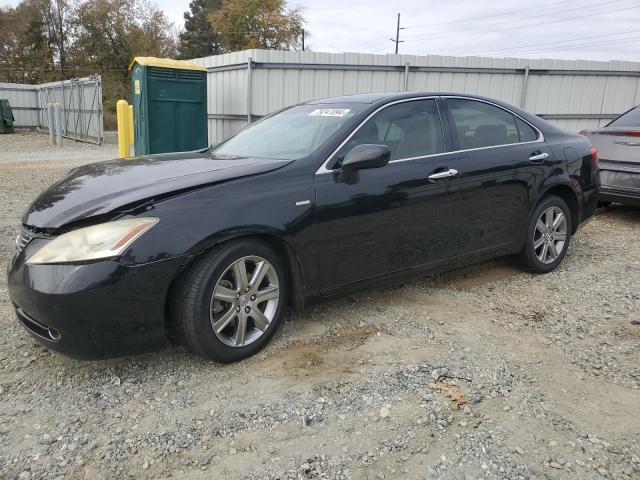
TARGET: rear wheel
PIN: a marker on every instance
(227, 306)
(548, 236)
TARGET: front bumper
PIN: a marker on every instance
(93, 310)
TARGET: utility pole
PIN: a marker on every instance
(397, 40)
(303, 39)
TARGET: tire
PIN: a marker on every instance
(195, 307)
(532, 254)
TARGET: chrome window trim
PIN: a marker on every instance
(323, 168)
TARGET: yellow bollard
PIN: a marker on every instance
(132, 135)
(122, 114)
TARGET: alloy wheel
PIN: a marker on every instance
(244, 301)
(550, 235)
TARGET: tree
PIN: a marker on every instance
(265, 24)
(110, 33)
(199, 39)
(34, 40)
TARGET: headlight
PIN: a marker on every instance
(98, 241)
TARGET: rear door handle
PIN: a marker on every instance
(445, 174)
(536, 157)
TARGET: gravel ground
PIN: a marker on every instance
(485, 372)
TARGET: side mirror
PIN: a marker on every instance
(366, 156)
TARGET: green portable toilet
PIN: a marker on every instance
(169, 105)
(6, 116)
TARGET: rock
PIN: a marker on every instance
(145, 465)
(385, 411)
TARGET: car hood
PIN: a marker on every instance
(104, 187)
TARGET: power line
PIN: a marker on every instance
(508, 12)
(511, 27)
(553, 42)
(511, 23)
(572, 47)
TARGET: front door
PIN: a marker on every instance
(394, 217)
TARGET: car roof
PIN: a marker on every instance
(381, 98)
(384, 97)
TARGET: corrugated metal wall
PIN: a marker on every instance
(80, 99)
(24, 102)
(571, 94)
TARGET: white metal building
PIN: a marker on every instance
(572, 94)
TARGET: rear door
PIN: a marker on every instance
(501, 160)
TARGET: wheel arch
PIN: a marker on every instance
(570, 196)
(295, 272)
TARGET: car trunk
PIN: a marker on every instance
(619, 150)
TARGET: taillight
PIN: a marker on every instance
(633, 133)
(595, 158)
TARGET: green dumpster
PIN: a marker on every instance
(6, 116)
(169, 105)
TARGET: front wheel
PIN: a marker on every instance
(228, 304)
(548, 236)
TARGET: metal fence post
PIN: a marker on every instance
(523, 99)
(64, 108)
(58, 123)
(50, 123)
(39, 108)
(101, 120)
(249, 61)
(406, 77)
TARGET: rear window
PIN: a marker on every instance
(479, 124)
(629, 119)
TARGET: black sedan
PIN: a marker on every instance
(210, 248)
(619, 146)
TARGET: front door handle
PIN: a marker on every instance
(444, 174)
(536, 157)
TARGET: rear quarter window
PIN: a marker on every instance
(526, 132)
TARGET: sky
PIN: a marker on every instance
(567, 29)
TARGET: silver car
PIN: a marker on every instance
(619, 146)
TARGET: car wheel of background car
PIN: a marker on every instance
(228, 304)
(548, 236)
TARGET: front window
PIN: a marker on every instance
(291, 134)
(629, 119)
(410, 129)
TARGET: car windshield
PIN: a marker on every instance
(290, 134)
(629, 119)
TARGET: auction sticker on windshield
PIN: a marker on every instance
(330, 112)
